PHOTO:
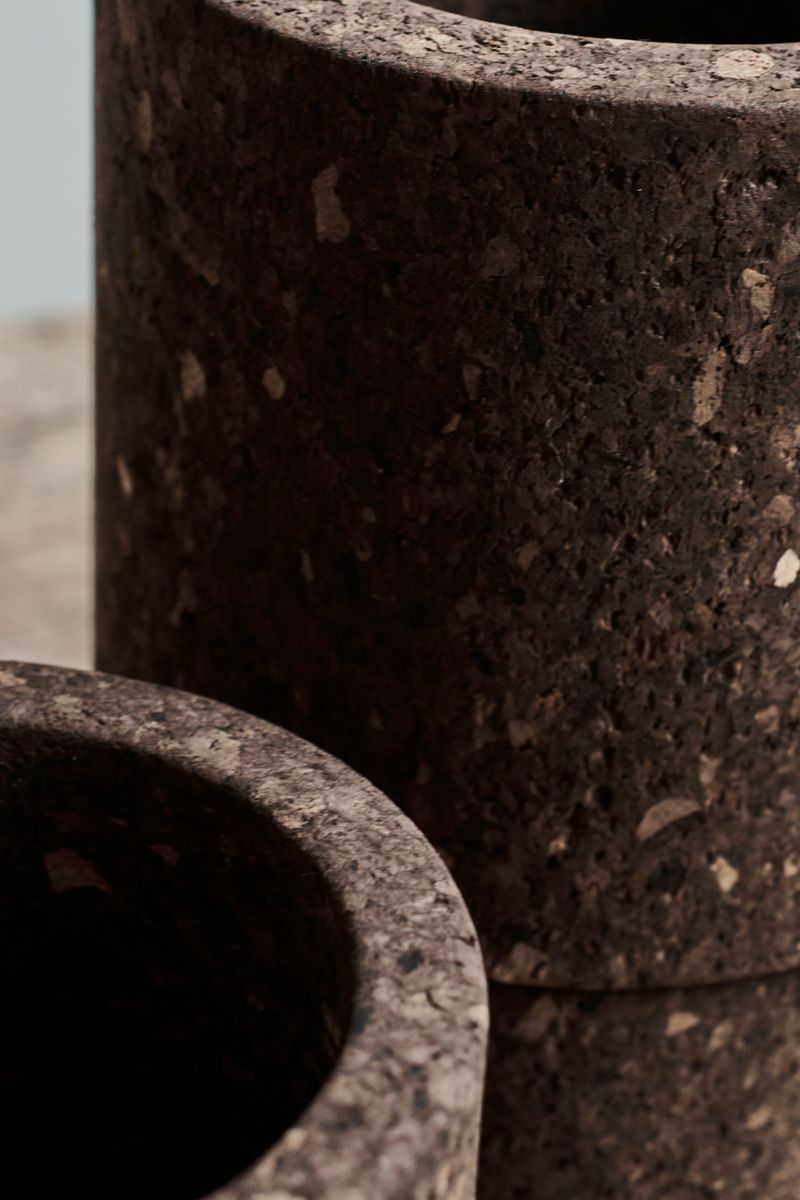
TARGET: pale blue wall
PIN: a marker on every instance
(45, 156)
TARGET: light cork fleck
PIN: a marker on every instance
(124, 477)
(306, 566)
(274, 383)
(523, 963)
(725, 874)
(680, 1022)
(332, 223)
(541, 1015)
(665, 813)
(743, 64)
(786, 569)
(721, 1034)
(759, 1117)
(479, 1015)
(762, 291)
(780, 509)
(216, 746)
(708, 387)
(558, 845)
(454, 1090)
(295, 1139)
(768, 719)
(707, 769)
(193, 377)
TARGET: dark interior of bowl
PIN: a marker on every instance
(729, 23)
(177, 977)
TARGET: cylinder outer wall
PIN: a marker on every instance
(666, 1095)
(447, 414)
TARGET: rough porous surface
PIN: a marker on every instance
(448, 415)
(689, 1094)
(233, 969)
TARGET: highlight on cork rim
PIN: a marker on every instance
(716, 22)
(160, 1030)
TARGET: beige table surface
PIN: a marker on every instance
(45, 491)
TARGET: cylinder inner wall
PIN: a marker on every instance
(680, 21)
(178, 976)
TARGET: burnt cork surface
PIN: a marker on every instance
(447, 415)
(213, 984)
(684, 1094)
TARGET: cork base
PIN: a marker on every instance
(687, 1094)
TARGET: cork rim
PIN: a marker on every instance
(409, 36)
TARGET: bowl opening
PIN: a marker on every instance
(677, 21)
(178, 975)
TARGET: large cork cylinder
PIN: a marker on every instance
(448, 415)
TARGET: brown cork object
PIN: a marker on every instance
(214, 986)
(688, 1094)
(448, 415)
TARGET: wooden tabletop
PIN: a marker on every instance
(45, 492)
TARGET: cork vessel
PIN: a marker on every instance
(447, 416)
(214, 987)
(668, 1094)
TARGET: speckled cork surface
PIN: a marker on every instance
(447, 415)
(686, 1094)
(233, 968)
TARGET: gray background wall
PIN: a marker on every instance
(45, 352)
(45, 156)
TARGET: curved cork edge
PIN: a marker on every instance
(414, 38)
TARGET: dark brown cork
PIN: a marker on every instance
(232, 969)
(448, 416)
(689, 1094)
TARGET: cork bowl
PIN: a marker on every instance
(231, 967)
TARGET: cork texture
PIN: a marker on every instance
(669, 1095)
(233, 968)
(447, 415)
